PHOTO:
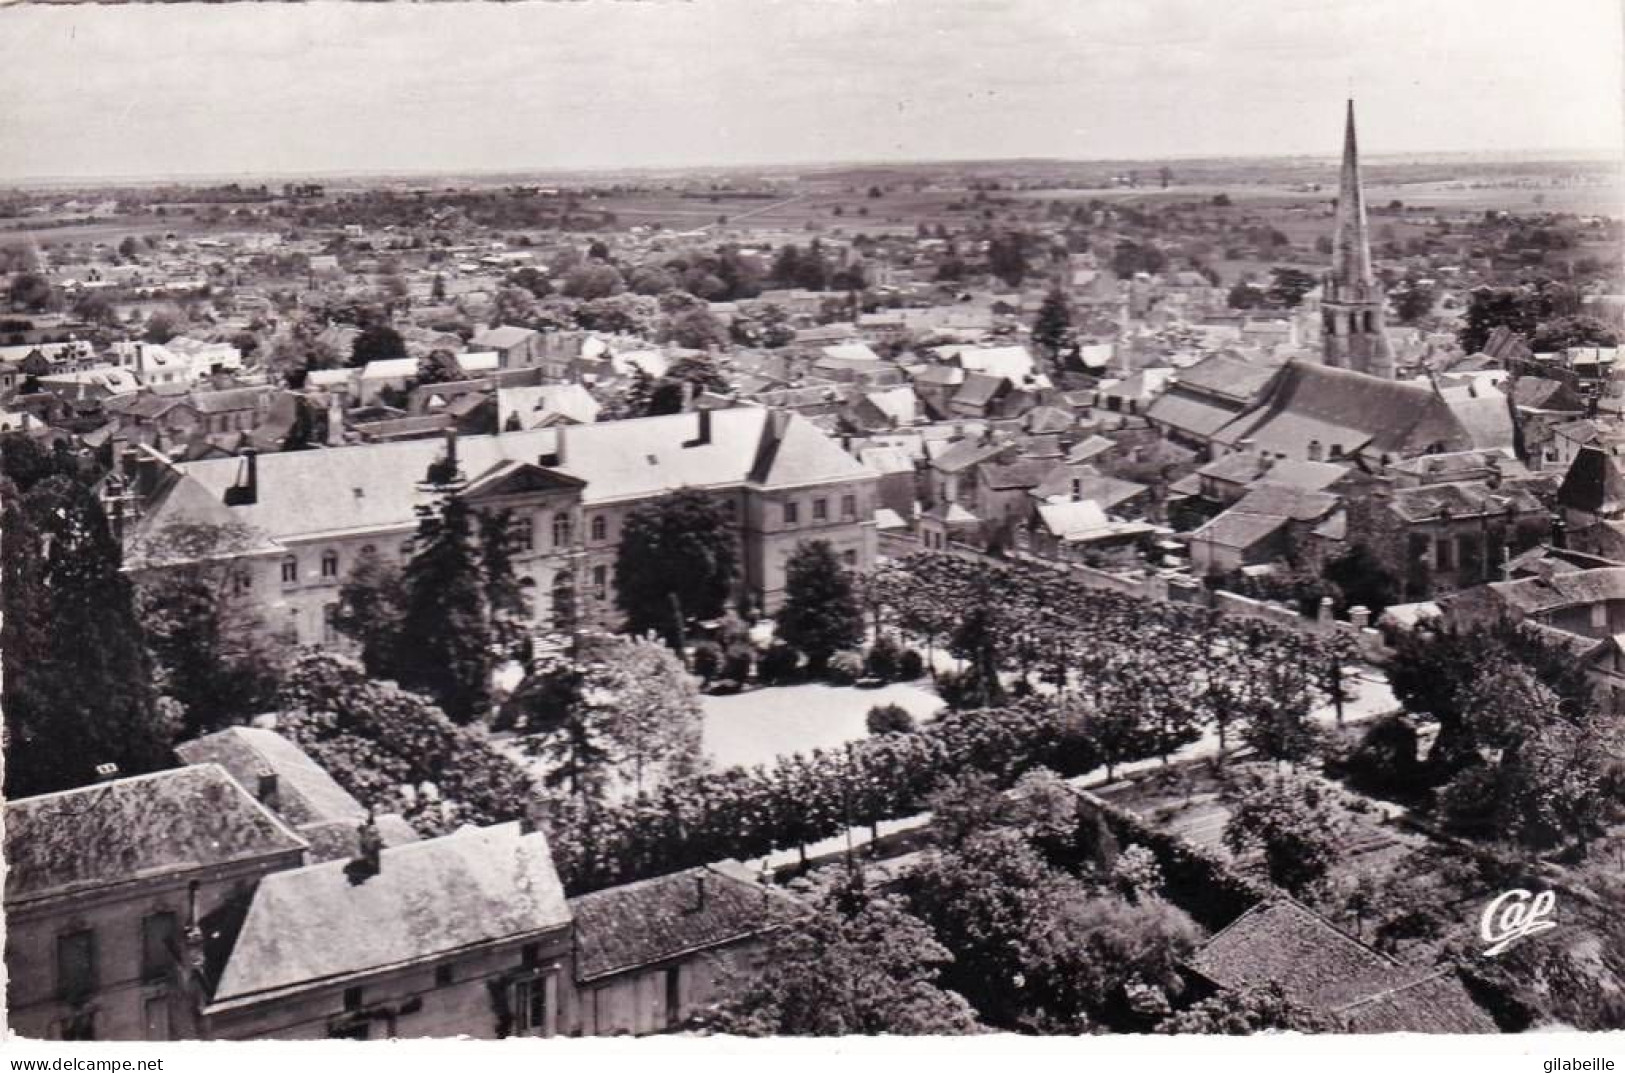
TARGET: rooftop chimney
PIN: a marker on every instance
(699, 889)
(1317, 452)
(267, 790)
(369, 851)
(705, 427)
(247, 493)
(106, 772)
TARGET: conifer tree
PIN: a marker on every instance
(78, 684)
(446, 643)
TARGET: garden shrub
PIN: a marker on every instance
(778, 663)
(910, 665)
(844, 667)
(889, 719)
(884, 658)
(706, 660)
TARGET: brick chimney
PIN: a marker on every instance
(267, 790)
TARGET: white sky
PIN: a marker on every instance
(88, 91)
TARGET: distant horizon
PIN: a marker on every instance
(1499, 156)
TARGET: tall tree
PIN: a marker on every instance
(873, 972)
(446, 644)
(821, 614)
(211, 649)
(78, 682)
(678, 560)
(372, 604)
(377, 342)
(1053, 328)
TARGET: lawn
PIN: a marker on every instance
(759, 725)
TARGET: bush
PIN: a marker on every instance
(737, 661)
(884, 657)
(706, 660)
(889, 719)
(1385, 763)
(778, 663)
(845, 667)
(910, 665)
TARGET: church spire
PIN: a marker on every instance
(1352, 304)
(1351, 245)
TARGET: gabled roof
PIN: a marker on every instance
(1324, 968)
(1538, 393)
(1463, 499)
(429, 899)
(1015, 475)
(169, 822)
(1580, 588)
(305, 792)
(980, 390)
(1347, 409)
(640, 924)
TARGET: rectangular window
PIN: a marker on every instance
(600, 582)
(849, 506)
(330, 631)
(352, 998)
(1444, 554)
(850, 558)
(290, 570)
(442, 976)
(527, 999)
(524, 532)
(76, 964)
(1599, 615)
(160, 948)
(792, 513)
(820, 510)
(155, 1016)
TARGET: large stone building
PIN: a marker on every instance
(314, 513)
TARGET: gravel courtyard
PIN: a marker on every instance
(754, 727)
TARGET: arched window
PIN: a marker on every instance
(1370, 321)
(600, 527)
(290, 570)
(1354, 323)
(330, 564)
(369, 549)
(561, 529)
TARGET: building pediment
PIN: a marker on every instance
(511, 478)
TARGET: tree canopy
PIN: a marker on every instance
(820, 615)
(677, 562)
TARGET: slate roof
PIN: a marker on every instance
(1343, 408)
(169, 822)
(1243, 468)
(1182, 412)
(432, 898)
(1085, 482)
(1593, 483)
(980, 390)
(1486, 416)
(305, 494)
(628, 927)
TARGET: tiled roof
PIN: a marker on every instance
(500, 338)
(1281, 942)
(1462, 499)
(979, 389)
(1534, 596)
(1190, 414)
(237, 398)
(1021, 474)
(377, 486)
(643, 923)
(306, 794)
(1346, 409)
(172, 821)
(436, 897)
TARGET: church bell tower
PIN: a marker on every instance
(1352, 303)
